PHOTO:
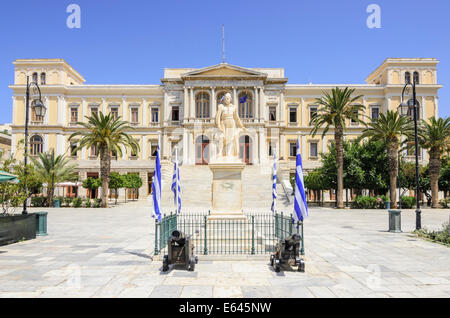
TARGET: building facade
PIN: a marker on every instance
(180, 111)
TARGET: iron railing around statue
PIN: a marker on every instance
(256, 233)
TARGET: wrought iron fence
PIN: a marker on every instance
(255, 233)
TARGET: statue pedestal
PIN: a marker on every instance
(227, 189)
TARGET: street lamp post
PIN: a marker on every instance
(405, 109)
(39, 110)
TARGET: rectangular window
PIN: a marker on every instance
(94, 151)
(73, 153)
(292, 149)
(312, 112)
(272, 113)
(94, 110)
(353, 121)
(292, 114)
(153, 150)
(175, 113)
(73, 115)
(270, 150)
(155, 115)
(375, 114)
(134, 115)
(115, 112)
(313, 150)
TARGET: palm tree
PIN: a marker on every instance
(107, 134)
(390, 128)
(53, 169)
(335, 110)
(434, 135)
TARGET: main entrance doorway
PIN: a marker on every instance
(202, 150)
(245, 149)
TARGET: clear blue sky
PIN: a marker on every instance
(130, 42)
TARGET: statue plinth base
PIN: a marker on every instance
(227, 188)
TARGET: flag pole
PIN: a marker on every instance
(176, 179)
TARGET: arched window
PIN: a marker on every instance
(407, 77)
(202, 105)
(34, 78)
(416, 77)
(43, 79)
(245, 105)
(36, 145)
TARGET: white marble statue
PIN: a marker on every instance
(230, 126)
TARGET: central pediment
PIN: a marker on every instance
(223, 70)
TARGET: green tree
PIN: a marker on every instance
(132, 181)
(115, 183)
(390, 128)
(335, 110)
(91, 183)
(107, 134)
(53, 169)
(407, 177)
(435, 136)
(444, 178)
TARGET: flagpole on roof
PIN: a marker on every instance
(223, 43)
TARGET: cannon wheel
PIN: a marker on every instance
(276, 266)
(165, 267)
(191, 264)
(196, 260)
(301, 266)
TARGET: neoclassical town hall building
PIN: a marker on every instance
(179, 112)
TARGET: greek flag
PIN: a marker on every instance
(156, 188)
(176, 187)
(300, 207)
(243, 99)
(274, 183)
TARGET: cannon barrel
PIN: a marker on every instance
(293, 239)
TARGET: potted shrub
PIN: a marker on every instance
(77, 202)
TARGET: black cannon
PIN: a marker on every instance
(287, 251)
(180, 251)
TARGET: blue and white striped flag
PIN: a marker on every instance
(274, 183)
(156, 188)
(176, 186)
(300, 206)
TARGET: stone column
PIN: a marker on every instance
(192, 105)
(14, 121)
(213, 103)
(144, 112)
(61, 111)
(422, 108)
(144, 147)
(47, 104)
(124, 109)
(282, 112)
(436, 107)
(84, 107)
(191, 146)
(262, 146)
(143, 189)
(104, 107)
(304, 121)
(185, 146)
(235, 98)
(256, 111)
(165, 112)
(186, 104)
(282, 147)
(303, 146)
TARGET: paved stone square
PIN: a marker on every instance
(107, 253)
